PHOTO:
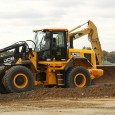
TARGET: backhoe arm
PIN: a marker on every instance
(92, 33)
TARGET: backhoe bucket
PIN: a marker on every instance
(108, 76)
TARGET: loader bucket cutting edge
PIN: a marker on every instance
(108, 76)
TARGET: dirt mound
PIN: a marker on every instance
(46, 93)
(108, 76)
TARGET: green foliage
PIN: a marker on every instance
(109, 56)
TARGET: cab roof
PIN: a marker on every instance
(51, 29)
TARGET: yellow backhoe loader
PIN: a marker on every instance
(49, 62)
(91, 30)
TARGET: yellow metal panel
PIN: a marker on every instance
(93, 60)
(50, 77)
(34, 59)
(95, 73)
(52, 29)
(54, 65)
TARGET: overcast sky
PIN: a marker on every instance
(19, 17)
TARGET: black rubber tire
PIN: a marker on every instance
(2, 87)
(73, 72)
(12, 72)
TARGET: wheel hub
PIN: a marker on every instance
(80, 80)
(20, 80)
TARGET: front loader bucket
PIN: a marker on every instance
(108, 76)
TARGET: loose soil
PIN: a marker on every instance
(96, 100)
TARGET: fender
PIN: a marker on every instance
(78, 61)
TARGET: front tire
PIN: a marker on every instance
(19, 79)
(78, 77)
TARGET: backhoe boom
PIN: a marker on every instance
(92, 33)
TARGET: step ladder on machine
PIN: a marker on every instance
(60, 79)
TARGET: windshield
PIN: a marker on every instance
(41, 41)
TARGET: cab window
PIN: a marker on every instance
(58, 39)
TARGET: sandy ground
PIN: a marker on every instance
(93, 100)
(79, 106)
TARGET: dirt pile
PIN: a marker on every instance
(108, 76)
(46, 93)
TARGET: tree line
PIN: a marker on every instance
(109, 56)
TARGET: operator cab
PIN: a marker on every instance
(50, 44)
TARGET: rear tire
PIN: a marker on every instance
(2, 87)
(19, 79)
(78, 77)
